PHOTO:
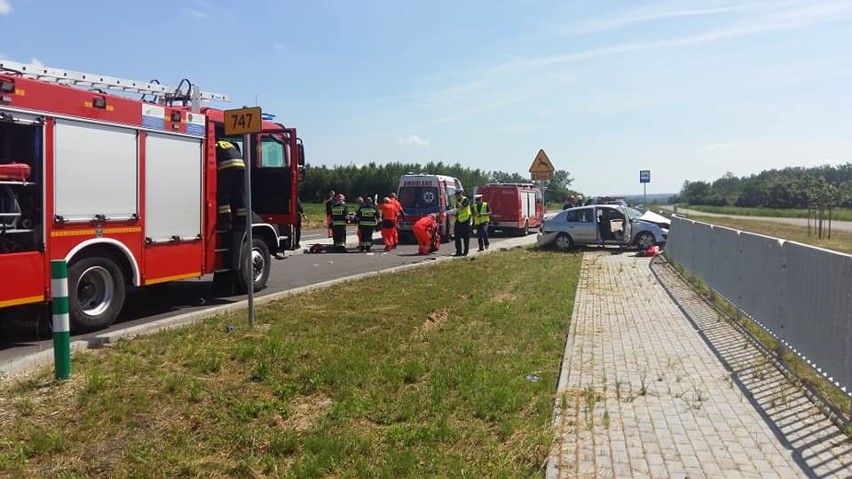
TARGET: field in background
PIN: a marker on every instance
(840, 240)
(839, 214)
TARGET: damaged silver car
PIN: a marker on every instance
(604, 225)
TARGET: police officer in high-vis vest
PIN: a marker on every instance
(462, 226)
(481, 218)
(231, 170)
(368, 218)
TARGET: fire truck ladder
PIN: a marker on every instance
(163, 93)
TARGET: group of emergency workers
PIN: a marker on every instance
(368, 216)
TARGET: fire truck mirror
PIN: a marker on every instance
(301, 149)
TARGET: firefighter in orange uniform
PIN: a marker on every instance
(426, 233)
(230, 177)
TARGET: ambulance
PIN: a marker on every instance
(423, 194)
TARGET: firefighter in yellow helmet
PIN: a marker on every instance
(230, 193)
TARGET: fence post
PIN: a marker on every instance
(61, 329)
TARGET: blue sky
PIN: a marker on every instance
(688, 90)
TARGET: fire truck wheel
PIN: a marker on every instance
(95, 293)
(259, 264)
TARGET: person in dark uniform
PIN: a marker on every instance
(462, 226)
(368, 218)
(328, 204)
(297, 230)
(230, 194)
(481, 218)
(339, 214)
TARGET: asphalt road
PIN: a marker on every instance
(835, 225)
(20, 338)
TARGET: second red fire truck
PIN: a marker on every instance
(125, 190)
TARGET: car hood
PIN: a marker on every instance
(653, 218)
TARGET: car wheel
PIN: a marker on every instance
(95, 293)
(564, 242)
(644, 240)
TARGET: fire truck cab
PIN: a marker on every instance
(124, 191)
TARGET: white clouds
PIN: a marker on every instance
(787, 18)
(35, 61)
(279, 46)
(5, 7)
(721, 145)
(413, 140)
(652, 14)
(193, 12)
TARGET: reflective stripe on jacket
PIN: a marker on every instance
(367, 216)
(338, 214)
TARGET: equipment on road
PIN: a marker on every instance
(125, 190)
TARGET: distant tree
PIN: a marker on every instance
(695, 192)
(503, 177)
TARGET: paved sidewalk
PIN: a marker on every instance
(655, 385)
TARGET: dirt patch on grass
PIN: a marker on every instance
(307, 411)
(504, 297)
(435, 319)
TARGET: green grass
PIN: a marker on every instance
(414, 374)
(840, 214)
(315, 213)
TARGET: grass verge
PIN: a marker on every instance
(421, 373)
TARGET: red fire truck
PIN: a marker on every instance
(125, 190)
(515, 207)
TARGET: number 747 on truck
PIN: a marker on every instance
(131, 192)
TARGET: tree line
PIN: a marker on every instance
(370, 179)
(816, 188)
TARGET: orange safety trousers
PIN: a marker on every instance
(424, 240)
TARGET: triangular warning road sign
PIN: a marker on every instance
(541, 163)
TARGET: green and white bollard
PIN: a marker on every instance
(61, 329)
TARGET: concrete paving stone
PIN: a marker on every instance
(693, 420)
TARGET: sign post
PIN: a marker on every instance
(645, 178)
(246, 121)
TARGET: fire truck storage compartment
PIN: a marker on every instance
(95, 171)
(21, 226)
(173, 204)
(172, 188)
